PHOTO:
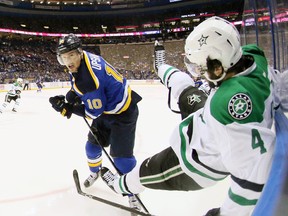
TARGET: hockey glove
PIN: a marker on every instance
(58, 103)
(73, 98)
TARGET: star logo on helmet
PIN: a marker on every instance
(202, 40)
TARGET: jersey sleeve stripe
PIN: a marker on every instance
(124, 104)
(94, 77)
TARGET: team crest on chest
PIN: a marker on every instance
(193, 98)
(240, 106)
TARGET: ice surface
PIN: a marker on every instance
(40, 149)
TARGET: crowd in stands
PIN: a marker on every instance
(29, 59)
(34, 58)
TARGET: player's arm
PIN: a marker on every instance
(174, 79)
(170, 76)
(66, 109)
(18, 90)
(181, 86)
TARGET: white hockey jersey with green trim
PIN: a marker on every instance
(15, 89)
(232, 134)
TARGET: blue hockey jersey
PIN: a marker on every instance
(101, 88)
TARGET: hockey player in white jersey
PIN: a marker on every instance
(13, 94)
(231, 135)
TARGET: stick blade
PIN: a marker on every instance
(76, 180)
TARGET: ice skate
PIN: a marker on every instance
(14, 110)
(134, 203)
(91, 179)
(159, 55)
(108, 177)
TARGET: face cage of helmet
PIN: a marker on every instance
(212, 71)
(70, 56)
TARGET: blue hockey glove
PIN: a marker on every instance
(59, 104)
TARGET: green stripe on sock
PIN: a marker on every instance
(241, 200)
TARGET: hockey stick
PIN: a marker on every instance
(103, 149)
(112, 162)
(117, 205)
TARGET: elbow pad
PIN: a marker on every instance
(190, 100)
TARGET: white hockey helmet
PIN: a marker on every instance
(215, 38)
(19, 80)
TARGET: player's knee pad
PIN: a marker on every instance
(125, 164)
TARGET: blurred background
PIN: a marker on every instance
(123, 32)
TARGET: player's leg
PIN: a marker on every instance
(94, 150)
(161, 171)
(122, 135)
(122, 139)
(4, 105)
(17, 100)
(94, 158)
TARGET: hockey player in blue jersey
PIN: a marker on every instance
(100, 93)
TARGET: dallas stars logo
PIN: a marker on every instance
(202, 40)
(193, 98)
(240, 106)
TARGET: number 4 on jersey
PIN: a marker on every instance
(257, 141)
